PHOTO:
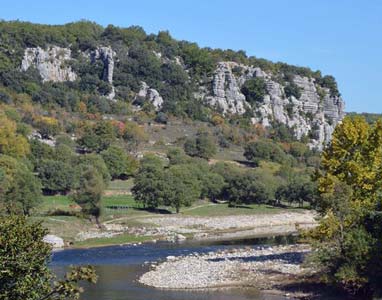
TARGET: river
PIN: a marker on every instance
(118, 268)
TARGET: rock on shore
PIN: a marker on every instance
(261, 267)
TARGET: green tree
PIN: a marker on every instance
(82, 162)
(56, 176)
(180, 187)
(149, 181)
(254, 90)
(118, 162)
(251, 187)
(98, 137)
(89, 193)
(292, 89)
(202, 146)
(21, 190)
(177, 156)
(24, 267)
(264, 150)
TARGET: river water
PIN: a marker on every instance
(119, 267)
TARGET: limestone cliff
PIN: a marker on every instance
(315, 113)
(50, 63)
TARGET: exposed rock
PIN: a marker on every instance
(262, 267)
(310, 115)
(54, 240)
(151, 95)
(51, 63)
(51, 141)
(106, 55)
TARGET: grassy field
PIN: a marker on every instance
(211, 210)
(62, 217)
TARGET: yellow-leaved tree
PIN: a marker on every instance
(348, 240)
(12, 143)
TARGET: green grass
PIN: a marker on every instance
(115, 240)
(120, 185)
(66, 227)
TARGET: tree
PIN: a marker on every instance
(21, 189)
(89, 193)
(254, 90)
(251, 187)
(180, 187)
(24, 264)
(299, 189)
(119, 163)
(134, 135)
(149, 181)
(56, 176)
(98, 137)
(177, 156)
(82, 162)
(348, 240)
(212, 186)
(202, 146)
(292, 89)
(12, 143)
(264, 150)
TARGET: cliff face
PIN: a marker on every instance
(314, 113)
(50, 63)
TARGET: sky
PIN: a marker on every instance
(342, 38)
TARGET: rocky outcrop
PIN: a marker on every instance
(52, 63)
(106, 55)
(314, 114)
(151, 95)
(54, 241)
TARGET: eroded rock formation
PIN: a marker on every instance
(52, 63)
(314, 114)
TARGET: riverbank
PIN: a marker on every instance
(264, 268)
(175, 228)
(204, 221)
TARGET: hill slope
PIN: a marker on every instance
(116, 70)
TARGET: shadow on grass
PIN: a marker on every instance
(160, 211)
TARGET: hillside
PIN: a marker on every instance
(84, 68)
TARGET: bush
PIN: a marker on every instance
(264, 150)
(254, 90)
(292, 89)
(119, 163)
(202, 146)
(56, 176)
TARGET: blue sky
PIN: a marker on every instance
(339, 37)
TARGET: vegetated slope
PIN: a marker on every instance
(83, 68)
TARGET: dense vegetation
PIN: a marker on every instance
(172, 67)
(24, 268)
(67, 138)
(348, 241)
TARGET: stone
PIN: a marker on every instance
(151, 95)
(310, 115)
(50, 63)
(54, 240)
(106, 55)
